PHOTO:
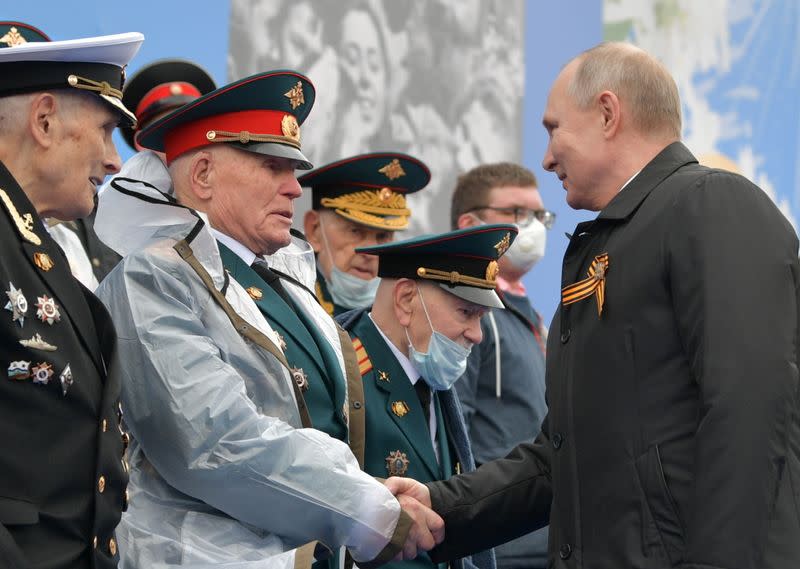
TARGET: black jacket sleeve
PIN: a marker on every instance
(502, 500)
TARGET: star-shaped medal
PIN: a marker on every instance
(17, 304)
(47, 310)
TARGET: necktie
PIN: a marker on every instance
(262, 269)
(424, 395)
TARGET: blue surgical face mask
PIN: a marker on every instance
(348, 291)
(444, 362)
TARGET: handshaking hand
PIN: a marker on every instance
(428, 528)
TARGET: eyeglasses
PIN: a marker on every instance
(524, 216)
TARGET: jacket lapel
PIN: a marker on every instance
(272, 305)
(48, 261)
(397, 390)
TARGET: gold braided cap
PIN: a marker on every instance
(380, 209)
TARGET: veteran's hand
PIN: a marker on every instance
(398, 486)
(427, 529)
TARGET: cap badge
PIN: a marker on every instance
(13, 37)
(47, 310)
(492, 269)
(17, 304)
(400, 408)
(385, 195)
(254, 292)
(42, 373)
(300, 378)
(66, 380)
(43, 261)
(37, 343)
(502, 246)
(295, 95)
(393, 170)
(594, 284)
(24, 223)
(290, 128)
(175, 89)
(19, 370)
(397, 463)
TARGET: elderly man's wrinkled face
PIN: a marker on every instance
(336, 239)
(456, 318)
(253, 197)
(84, 153)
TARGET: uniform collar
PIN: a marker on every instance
(408, 367)
(640, 185)
(245, 254)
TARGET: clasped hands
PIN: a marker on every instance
(427, 528)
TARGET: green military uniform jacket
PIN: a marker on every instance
(312, 359)
(398, 441)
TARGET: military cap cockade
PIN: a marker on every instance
(13, 34)
(369, 189)
(261, 113)
(463, 262)
(161, 87)
(29, 62)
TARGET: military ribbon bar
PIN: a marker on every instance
(594, 284)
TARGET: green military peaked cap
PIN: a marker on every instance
(463, 262)
(19, 33)
(163, 86)
(261, 113)
(369, 188)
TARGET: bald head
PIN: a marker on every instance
(642, 84)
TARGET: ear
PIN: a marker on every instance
(467, 220)
(404, 295)
(202, 171)
(313, 229)
(609, 106)
(42, 116)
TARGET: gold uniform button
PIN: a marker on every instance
(112, 546)
(101, 484)
(94, 542)
(125, 501)
(104, 425)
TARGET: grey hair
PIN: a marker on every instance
(13, 113)
(14, 108)
(639, 80)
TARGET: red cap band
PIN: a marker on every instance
(165, 90)
(196, 133)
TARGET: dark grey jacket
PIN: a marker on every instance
(672, 437)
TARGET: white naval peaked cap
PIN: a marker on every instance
(96, 65)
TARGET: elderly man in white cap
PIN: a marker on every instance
(62, 481)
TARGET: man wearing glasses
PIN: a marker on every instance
(502, 391)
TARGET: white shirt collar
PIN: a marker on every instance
(405, 363)
(240, 250)
(413, 376)
(629, 180)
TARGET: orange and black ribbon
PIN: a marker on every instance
(594, 284)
